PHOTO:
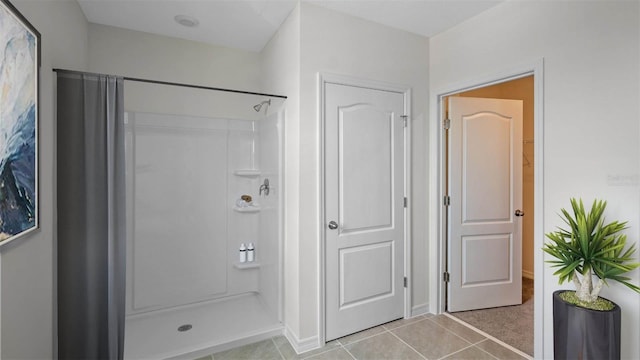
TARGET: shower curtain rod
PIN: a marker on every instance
(159, 82)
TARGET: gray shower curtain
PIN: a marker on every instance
(91, 216)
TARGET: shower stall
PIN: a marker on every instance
(203, 180)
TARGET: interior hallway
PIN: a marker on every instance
(422, 337)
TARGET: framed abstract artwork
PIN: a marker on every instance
(19, 72)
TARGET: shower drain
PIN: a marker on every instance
(186, 327)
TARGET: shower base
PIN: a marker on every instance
(215, 326)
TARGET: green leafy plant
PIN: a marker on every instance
(590, 247)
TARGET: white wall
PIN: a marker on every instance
(28, 264)
(336, 43)
(268, 251)
(591, 53)
(142, 55)
(281, 75)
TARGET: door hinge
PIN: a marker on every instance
(404, 119)
(445, 276)
(447, 200)
(406, 282)
(446, 124)
(405, 202)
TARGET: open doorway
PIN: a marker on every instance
(514, 325)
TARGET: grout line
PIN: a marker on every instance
(401, 326)
(453, 332)
(385, 329)
(486, 351)
(348, 352)
(319, 353)
(326, 350)
(278, 348)
(411, 347)
(463, 349)
(365, 338)
(500, 342)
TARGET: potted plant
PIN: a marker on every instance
(587, 326)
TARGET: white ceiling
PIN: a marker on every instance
(249, 24)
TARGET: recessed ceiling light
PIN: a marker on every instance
(187, 21)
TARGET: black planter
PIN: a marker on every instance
(580, 333)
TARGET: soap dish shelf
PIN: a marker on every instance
(247, 172)
(246, 265)
(248, 209)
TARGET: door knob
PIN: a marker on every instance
(519, 212)
(333, 225)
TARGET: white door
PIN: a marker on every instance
(485, 189)
(364, 208)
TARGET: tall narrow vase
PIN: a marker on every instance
(580, 333)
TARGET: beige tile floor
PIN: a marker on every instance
(422, 337)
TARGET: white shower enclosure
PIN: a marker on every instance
(188, 294)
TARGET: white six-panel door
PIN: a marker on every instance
(485, 189)
(364, 208)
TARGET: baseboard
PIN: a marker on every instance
(301, 345)
(527, 274)
(420, 310)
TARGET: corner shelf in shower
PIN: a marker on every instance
(247, 172)
(248, 209)
(246, 265)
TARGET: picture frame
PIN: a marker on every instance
(19, 110)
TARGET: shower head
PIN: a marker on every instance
(257, 107)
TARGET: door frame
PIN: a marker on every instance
(328, 78)
(437, 211)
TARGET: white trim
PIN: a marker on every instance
(538, 226)
(280, 124)
(363, 83)
(418, 310)
(323, 79)
(437, 228)
(527, 274)
(302, 345)
(408, 291)
(55, 331)
(321, 229)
